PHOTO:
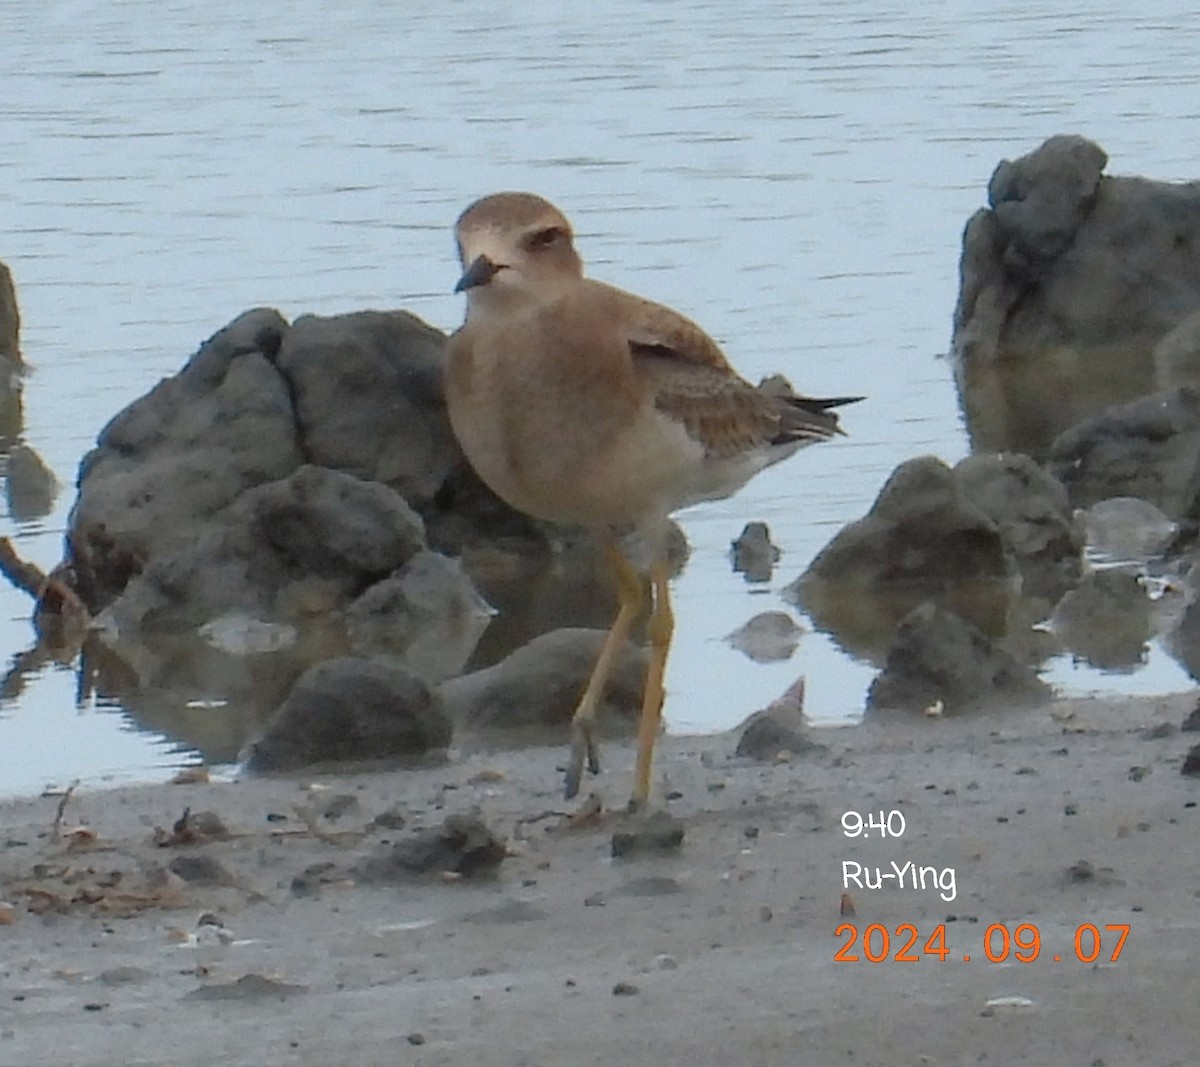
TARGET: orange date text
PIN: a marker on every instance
(1023, 943)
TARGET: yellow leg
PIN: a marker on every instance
(659, 629)
(631, 591)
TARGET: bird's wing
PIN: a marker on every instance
(727, 414)
(691, 381)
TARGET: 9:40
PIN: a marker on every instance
(887, 824)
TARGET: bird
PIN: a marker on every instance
(582, 404)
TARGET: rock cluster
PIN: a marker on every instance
(286, 533)
(292, 508)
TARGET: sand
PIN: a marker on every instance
(722, 951)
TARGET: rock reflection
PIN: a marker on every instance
(30, 486)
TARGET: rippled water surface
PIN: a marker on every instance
(797, 180)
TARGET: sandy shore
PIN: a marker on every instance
(721, 952)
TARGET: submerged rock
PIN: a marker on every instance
(428, 615)
(257, 512)
(923, 539)
(1031, 510)
(754, 556)
(283, 552)
(1148, 448)
(537, 687)
(991, 539)
(1177, 356)
(351, 710)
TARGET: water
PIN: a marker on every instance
(796, 181)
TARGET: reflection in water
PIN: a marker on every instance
(1022, 401)
(863, 620)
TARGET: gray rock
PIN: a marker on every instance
(462, 845)
(1126, 528)
(939, 656)
(777, 729)
(283, 552)
(1034, 517)
(1041, 200)
(180, 455)
(754, 556)
(1148, 448)
(1177, 356)
(350, 710)
(368, 397)
(1183, 643)
(428, 614)
(538, 686)
(923, 539)
(1068, 281)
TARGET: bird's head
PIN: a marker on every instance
(512, 244)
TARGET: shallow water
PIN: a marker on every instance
(796, 182)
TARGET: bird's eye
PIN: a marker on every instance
(543, 238)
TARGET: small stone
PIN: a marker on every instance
(392, 819)
(1136, 774)
(625, 989)
(463, 847)
(1083, 871)
(666, 962)
(416, 1038)
(1191, 763)
(310, 880)
(753, 554)
(777, 728)
(338, 805)
(248, 987)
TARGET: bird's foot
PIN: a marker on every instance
(583, 749)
